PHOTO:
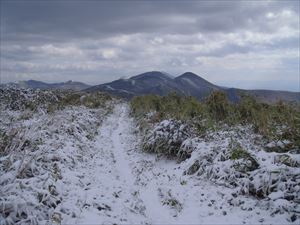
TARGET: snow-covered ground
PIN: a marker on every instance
(107, 179)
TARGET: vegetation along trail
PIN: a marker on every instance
(121, 184)
(78, 158)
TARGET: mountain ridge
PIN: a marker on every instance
(35, 84)
(161, 83)
(188, 84)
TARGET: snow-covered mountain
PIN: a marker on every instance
(188, 84)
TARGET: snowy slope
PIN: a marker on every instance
(88, 168)
(123, 185)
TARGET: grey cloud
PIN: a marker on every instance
(64, 21)
(103, 40)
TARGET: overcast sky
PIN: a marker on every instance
(250, 44)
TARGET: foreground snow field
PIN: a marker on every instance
(120, 184)
(88, 168)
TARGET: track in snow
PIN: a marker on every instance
(118, 184)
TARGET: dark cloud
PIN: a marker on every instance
(65, 20)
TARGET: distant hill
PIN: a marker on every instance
(270, 96)
(194, 85)
(160, 83)
(188, 84)
(151, 82)
(69, 85)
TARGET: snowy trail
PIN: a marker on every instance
(110, 195)
(118, 145)
(106, 189)
(122, 147)
(123, 151)
(118, 184)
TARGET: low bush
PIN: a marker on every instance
(166, 138)
(49, 100)
(243, 161)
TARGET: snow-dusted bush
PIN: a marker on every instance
(234, 156)
(237, 159)
(27, 99)
(166, 138)
(48, 101)
(279, 121)
(36, 149)
(249, 146)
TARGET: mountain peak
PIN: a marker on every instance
(152, 74)
(189, 74)
(192, 76)
(32, 81)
